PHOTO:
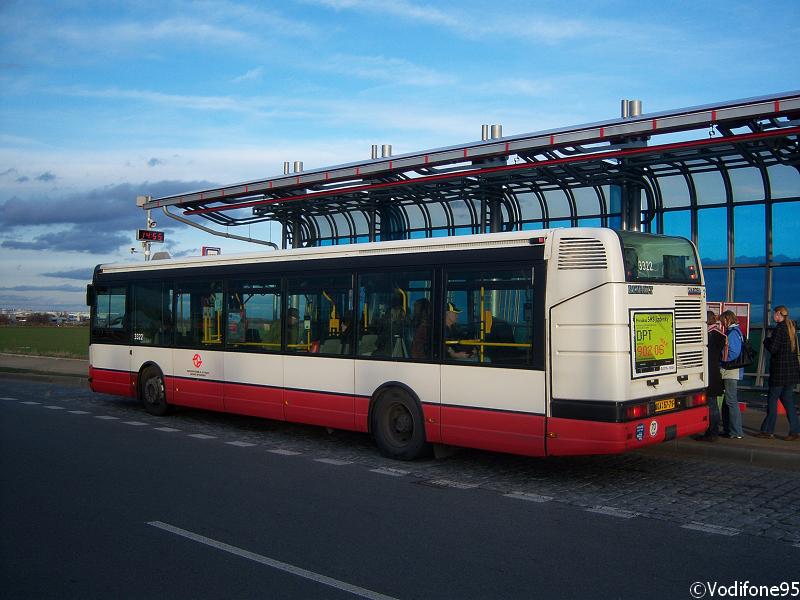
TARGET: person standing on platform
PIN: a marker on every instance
(731, 416)
(716, 345)
(784, 374)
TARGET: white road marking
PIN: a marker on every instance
(613, 512)
(333, 461)
(31, 402)
(54, 407)
(271, 562)
(240, 444)
(5, 398)
(167, 429)
(283, 452)
(707, 528)
(528, 497)
(107, 418)
(78, 412)
(135, 423)
(390, 472)
(202, 436)
(453, 484)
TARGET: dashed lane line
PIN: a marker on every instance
(7, 398)
(107, 418)
(134, 423)
(708, 528)
(53, 407)
(271, 562)
(30, 402)
(78, 412)
(528, 497)
(390, 472)
(334, 461)
(613, 512)
(167, 429)
(202, 436)
(447, 483)
(284, 452)
(240, 444)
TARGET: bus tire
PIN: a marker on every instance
(152, 392)
(398, 426)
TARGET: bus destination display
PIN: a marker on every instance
(653, 342)
(149, 235)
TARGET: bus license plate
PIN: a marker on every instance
(662, 405)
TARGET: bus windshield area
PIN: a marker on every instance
(658, 259)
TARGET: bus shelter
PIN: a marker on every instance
(726, 176)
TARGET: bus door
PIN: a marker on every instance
(198, 357)
(491, 396)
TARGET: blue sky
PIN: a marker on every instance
(102, 101)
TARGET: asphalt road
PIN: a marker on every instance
(115, 507)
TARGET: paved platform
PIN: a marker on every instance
(775, 453)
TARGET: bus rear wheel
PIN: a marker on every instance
(153, 393)
(398, 426)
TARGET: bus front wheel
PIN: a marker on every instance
(153, 393)
(398, 426)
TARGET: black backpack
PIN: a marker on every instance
(746, 357)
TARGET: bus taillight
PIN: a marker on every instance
(698, 399)
(636, 411)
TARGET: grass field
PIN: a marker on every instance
(68, 342)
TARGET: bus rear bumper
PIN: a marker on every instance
(567, 437)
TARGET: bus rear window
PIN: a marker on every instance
(658, 258)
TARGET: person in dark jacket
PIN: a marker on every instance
(784, 374)
(716, 344)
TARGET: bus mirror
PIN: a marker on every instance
(89, 294)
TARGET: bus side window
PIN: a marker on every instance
(318, 309)
(109, 323)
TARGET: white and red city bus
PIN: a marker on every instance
(552, 342)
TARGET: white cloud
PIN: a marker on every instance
(395, 70)
(251, 75)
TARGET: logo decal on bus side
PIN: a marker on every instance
(653, 428)
(641, 289)
(640, 432)
(197, 360)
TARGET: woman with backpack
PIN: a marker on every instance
(731, 417)
(784, 374)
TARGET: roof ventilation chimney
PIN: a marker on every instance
(631, 108)
(386, 150)
(298, 166)
(286, 165)
(374, 151)
(497, 131)
(484, 132)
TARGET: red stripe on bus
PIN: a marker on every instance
(552, 139)
(517, 433)
(317, 408)
(777, 106)
(254, 401)
(602, 132)
(574, 437)
(118, 383)
(713, 116)
(655, 124)
(465, 153)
